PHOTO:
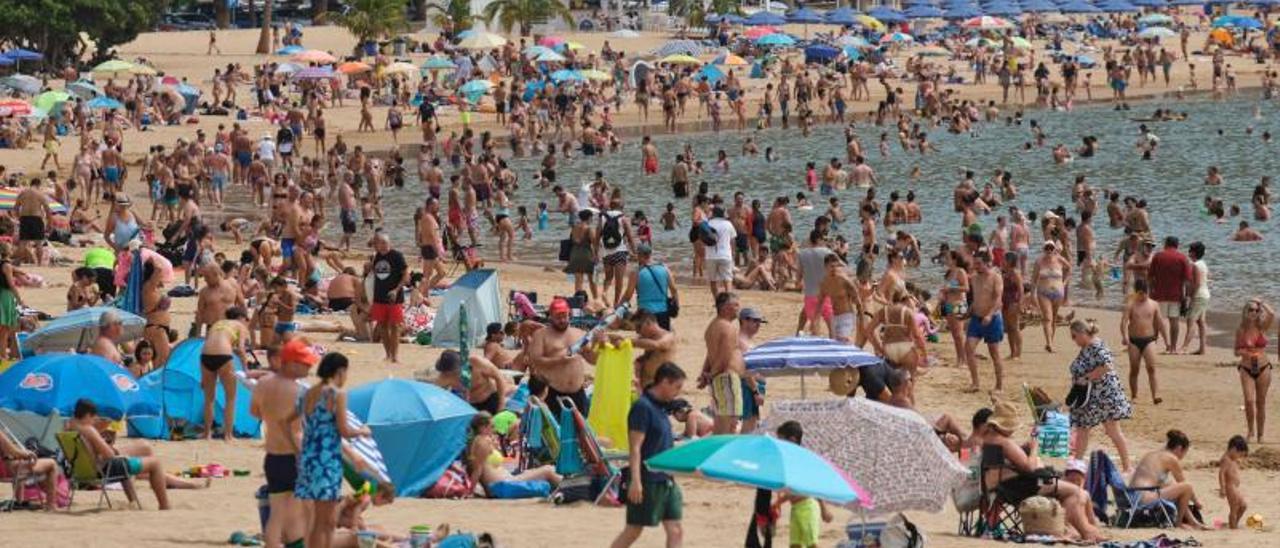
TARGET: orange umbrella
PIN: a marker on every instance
(354, 67)
(314, 56)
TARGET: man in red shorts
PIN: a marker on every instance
(390, 275)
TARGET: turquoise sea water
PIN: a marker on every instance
(1172, 183)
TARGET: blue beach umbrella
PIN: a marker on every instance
(887, 15)
(776, 39)
(1002, 10)
(289, 50)
(853, 42)
(439, 62)
(566, 74)
(961, 12)
(1237, 21)
(761, 18)
(19, 54)
(820, 53)
(55, 382)
(419, 427)
(804, 16)
(29, 85)
(1150, 3)
(83, 89)
(5, 61)
(75, 330)
(841, 16)
(1038, 6)
(1078, 6)
(923, 11)
(803, 354)
(711, 72)
(760, 461)
(177, 387)
(105, 103)
(1117, 6)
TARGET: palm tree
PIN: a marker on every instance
(695, 11)
(319, 11)
(222, 14)
(525, 13)
(455, 14)
(264, 37)
(373, 19)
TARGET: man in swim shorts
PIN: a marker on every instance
(839, 290)
(275, 402)
(985, 322)
(724, 368)
(1142, 324)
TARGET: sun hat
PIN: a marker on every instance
(1005, 418)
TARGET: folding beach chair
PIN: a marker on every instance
(1130, 510)
(996, 517)
(593, 457)
(11, 469)
(539, 435)
(85, 470)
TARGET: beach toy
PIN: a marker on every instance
(240, 473)
(241, 538)
(215, 471)
(1115, 273)
(366, 539)
(611, 399)
(1254, 521)
(420, 536)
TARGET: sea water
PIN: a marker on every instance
(1172, 183)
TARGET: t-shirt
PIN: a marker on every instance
(648, 416)
(1170, 269)
(1202, 271)
(266, 150)
(813, 267)
(725, 233)
(388, 270)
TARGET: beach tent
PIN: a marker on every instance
(420, 428)
(177, 387)
(478, 291)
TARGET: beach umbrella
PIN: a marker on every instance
(887, 15)
(1002, 10)
(804, 16)
(1116, 6)
(1019, 42)
(49, 100)
(756, 32)
(624, 33)
(760, 461)
(1038, 6)
(986, 23)
(55, 382)
(438, 62)
(26, 426)
(564, 75)
(711, 73)
(679, 59)
(13, 107)
(9, 196)
(19, 55)
(980, 42)
(356, 67)
(820, 53)
(549, 56)
(1150, 3)
(76, 330)
(112, 68)
(775, 40)
(286, 69)
(314, 73)
(1156, 32)
(482, 40)
(400, 68)
(176, 387)
(790, 355)
(534, 51)
(6, 62)
(923, 11)
(682, 47)
(83, 89)
(934, 51)
(105, 103)
(730, 60)
(420, 428)
(1155, 19)
(551, 41)
(143, 70)
(476, 87)
(596, 75)
(764, 18)
(1237, 21)
(896, 37)
(852, 41)
(841, 16)
(959, 12)
(1078, 6)
(314, 56)
(29, 85)
(289, 50)
(852, 52)
(891, 452)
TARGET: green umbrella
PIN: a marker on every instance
(48, 100)
(464, 346)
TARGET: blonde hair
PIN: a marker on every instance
(1084, 327)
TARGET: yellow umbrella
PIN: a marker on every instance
(1020, 42)
(143, 70)
(482, 40)
(314, 56)
(732, 60)
(574, 46)
(354, 67)
(400, 68)
(112, 68)
(870, 22)
(595, 74)
(680, 59)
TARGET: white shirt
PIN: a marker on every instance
(725, 233)
(267, 150)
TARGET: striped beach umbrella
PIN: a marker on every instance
(803, 354)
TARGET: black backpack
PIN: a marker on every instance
(611, 233)
(707, 234)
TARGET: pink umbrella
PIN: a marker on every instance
(756, 32)
(551, 41)
(169, 81)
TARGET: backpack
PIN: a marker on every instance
(611, 233)
(708, 235)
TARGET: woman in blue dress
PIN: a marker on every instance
(320, 464)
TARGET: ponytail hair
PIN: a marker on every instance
(1084, 327)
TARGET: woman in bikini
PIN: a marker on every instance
(954, 293)
(1254, 368)
(224, 338)
(1011, 302)
(1049, 278)
(484, 459)
(155, 306)
(902, 342)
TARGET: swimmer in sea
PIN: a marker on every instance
(1246, 234)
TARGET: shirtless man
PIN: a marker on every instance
(110, 328)
(347, 213)
(1140, 326)
(649, 155)
(218, 294)
(431, 242)
(275, 403)
(33, 218)
(862, 176)
(680, 177)
(488, 386)
(844, 298)
(740, 216)
(723, 367)
(550, 357)
(86, 423)
(659, 345)
(985, 321)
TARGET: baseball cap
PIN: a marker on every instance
(644, 249)
(558, 306)
(751, 314)
(298, 351)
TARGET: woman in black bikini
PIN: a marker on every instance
(225, 337)
(155, 306)
(1254, 368)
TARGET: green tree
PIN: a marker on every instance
(264, 36)
(373, 19)
(695, 11)
(54, 27)
(455, 14)
(525, 13)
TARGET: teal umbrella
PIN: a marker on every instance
(760, 461)
(105, 103)
(776, 39)
(438, 63)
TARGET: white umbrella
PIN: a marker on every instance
(893, 453)
(482, 40)
(1156, 32)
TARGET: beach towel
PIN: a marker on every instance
(611, 398)
(1098, 480)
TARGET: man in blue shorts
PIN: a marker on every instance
(985, 322)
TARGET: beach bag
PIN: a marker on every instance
(611, 233)
(454, 483)
(1042, 516)
(566, 247)
(573, 489)
(1078, 396)
(901, 533)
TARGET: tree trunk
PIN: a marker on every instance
(253, 15)
(420, 10)
(221, 14)
(319, 11)
(264, 37)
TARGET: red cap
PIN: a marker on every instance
(298, 351)
(558, 306)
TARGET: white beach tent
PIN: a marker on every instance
(479, 292)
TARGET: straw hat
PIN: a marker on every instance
(1005, 418)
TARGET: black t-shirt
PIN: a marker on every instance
(873, 379)
(426, 111)
(388, 270)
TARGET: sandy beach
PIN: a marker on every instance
(1201, 395)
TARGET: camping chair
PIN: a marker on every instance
(597, 463)
(85, 470)
(1130, 510)
(995, 516)
(10, 470)
(539, 435)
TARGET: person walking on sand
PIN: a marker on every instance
(1141, 324)
(1198, 287)
(390, 276)
(1101, 398)
(1170, 273)
(986, 323)
(323, 411)
(1049, 277)
(652, 498)
(846, 302)
(1255, 367)
(213, 43)
(275, 403)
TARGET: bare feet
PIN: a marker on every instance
(1048, 349)
(1157, 401)
(971, 389)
